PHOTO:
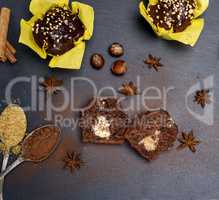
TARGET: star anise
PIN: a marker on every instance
(188, 141)
(72, 161)
(129, 89)
(202, 97)
(153, 62)
(51, 84)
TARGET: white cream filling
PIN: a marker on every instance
(102, 127)
(170, 123)
(150, 142)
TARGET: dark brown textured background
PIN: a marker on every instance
(116, 172)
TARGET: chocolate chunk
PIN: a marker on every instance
(97, 61)
(119, 67)
(152, 133)
(116, 50)
(57, 31)
(103, 122)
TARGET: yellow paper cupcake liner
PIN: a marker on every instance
(189, 36)
(71, 59)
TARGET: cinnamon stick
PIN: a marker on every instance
(10, 47)
(10, 56)
(3, 59)
(4, 23)
(9, 53)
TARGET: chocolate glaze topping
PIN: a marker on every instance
(58, 30)
(176, 14)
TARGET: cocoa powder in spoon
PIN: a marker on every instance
(40, 143)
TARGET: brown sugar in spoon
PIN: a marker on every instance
(37, 146)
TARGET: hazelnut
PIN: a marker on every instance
(119, 67)
(116, 50)
(97, 61)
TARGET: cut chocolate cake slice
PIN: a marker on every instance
(103, 122)
(152, 133)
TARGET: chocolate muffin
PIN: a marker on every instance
(176, 14)
(152, 133)
(103, 122)
(57, 31)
